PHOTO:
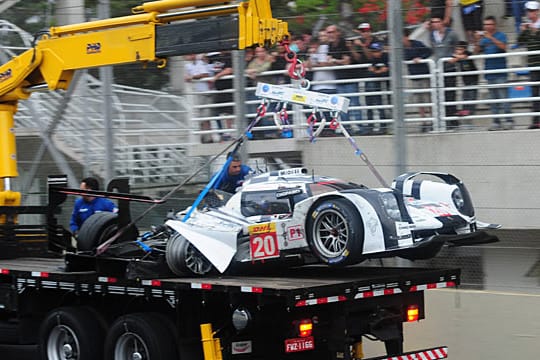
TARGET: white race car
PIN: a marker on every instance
(291, 217)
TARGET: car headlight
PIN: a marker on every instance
(241, 319)
(457, 198)
(391, 206)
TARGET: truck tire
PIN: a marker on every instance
(141, 336)
(74, 333)
(98, 228)
(335, 232)
(184, 259)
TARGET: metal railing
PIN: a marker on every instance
(437, 117)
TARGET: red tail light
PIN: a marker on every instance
(305, 328)
(412, 313)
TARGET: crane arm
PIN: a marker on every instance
(155, 31)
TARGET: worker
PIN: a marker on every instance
(88, 205)
(234, 176)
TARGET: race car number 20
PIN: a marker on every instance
(263, 241)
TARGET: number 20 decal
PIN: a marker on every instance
(264, 246)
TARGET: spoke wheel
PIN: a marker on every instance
(184, 258)
(335, 232)
(331, 233)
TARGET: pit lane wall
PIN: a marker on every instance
(500, 168)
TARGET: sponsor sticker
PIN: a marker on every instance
(295, 233)
(263, 241)
(241, 347)
(93, 48)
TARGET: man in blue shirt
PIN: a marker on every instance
(234, 176)
(490, 41)
(86, 205)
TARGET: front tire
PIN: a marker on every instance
(336, 232)
(183, 258)
(142, 336)
(75, 333)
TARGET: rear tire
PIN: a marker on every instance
(75, 333)
(141, 336)
(100, 227)
(336, 232)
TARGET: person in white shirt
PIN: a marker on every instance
(196, 69)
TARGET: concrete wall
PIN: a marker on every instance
(475, 325)
(501, 169)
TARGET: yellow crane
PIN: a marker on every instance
(155, 31)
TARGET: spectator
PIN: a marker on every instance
(443, 42)
(530, 37)
(319, 57)
(194, 70)
(378, 69)
(472, 12)
(340, 54)
(360, 54)
(88, 205)
(442, 9)
(491, 41)
(234, 176)
(517, 9)
(323, 80)
(414, 50)
(225, 95)
(260, 63)
(464, 64)
(365, 39)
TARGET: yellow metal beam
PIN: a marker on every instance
(166, 5)
(211, 345)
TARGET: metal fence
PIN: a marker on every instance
(517, 89)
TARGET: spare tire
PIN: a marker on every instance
(100, 227)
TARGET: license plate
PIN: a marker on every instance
(299, 344)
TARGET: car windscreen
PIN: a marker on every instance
(263, 203)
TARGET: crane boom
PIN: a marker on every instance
(155, 31)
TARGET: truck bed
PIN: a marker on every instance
(307, 285)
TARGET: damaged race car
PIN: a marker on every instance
(291, 217)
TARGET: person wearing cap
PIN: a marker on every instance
(365, 39)
(489, 42)
(530, 37)
(378, 69)
(443, 42)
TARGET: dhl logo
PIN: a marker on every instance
(299, 98)
(93, 48)
(262, 228)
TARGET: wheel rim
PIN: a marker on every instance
(330, 233)
(62, 344)
(131, 346)
(196, 262)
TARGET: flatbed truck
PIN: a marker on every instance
(310, 312)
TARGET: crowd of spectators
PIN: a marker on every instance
(332, 50)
